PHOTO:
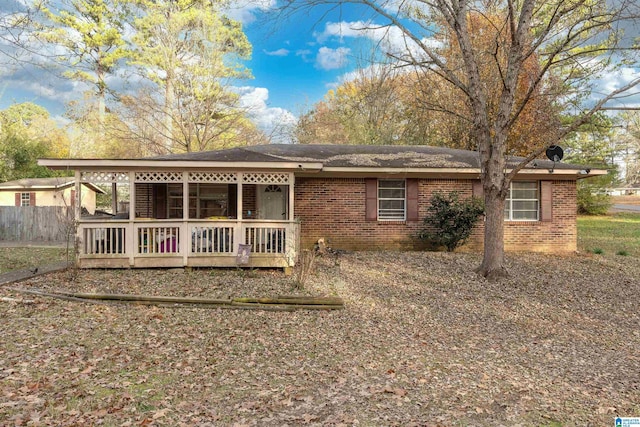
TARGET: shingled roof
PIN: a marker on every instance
(345, 156)
(44, 184)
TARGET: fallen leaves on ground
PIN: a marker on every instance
(422, 341)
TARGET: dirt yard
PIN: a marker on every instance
(422, 341)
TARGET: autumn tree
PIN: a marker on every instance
(385, 104)
(570, 42)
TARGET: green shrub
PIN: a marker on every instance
(622, 253)
(449, 221)
(598, 251)
(592, 204)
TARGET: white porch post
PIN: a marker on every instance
(130, 240)
(185, 239)
(292, 180)
(238, 231)
(76, 203)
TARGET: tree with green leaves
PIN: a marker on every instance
(87, 38)
(26, 134)
(188, 51)
(594, 145)
(558, 47)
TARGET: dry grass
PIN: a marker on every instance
(423, 341)
(17, 258)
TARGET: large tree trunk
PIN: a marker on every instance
(492, 266)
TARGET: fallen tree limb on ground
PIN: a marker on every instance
(293, 300)
(270, 304)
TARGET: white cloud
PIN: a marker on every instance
(272, 120)
(279, 52)
(245, 10)
(614, 80)
(341, 30)
(331, 59)
(304, 54)
(391, 39)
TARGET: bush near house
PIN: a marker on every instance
(449, 221)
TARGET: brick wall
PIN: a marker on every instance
(335, 210)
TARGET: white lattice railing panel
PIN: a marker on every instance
(158, 176)
(104, 177)
(214, 177)
(265, 178)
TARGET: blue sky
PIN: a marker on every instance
(295, 62)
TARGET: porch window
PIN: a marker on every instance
(174, 200)
(522, 202)
(206, 201)
(25, 199)
(209, 201)
(392, 199)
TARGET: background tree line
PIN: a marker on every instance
(157, 74)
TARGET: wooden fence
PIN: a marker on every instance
(35, 223)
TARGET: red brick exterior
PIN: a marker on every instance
(334, 209)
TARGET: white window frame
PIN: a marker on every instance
(25, 201)
(383, 214)
(509, 201)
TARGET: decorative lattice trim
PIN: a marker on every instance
(265, 178)
(104, 177)
(216, 177)
(158, 176)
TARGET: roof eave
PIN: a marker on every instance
(101, 164)
(564, 173)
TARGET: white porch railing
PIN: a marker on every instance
(143, 239)
(103, 238)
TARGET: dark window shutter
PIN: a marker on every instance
(160, 201)
(32, 199)
(546, 201)
(478, 191)
(412, 200)
(371, 196)
(18, 201)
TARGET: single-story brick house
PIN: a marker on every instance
(47, 192)
(196, 209)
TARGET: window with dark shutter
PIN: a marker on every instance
(522, 202)
(392, 199)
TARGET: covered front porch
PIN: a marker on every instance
(195, 218)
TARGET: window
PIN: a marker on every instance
(208, 200)
(522, 202)
(25, 199)
(175, 200)
(391, 199)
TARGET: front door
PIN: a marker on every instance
(274, 202)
